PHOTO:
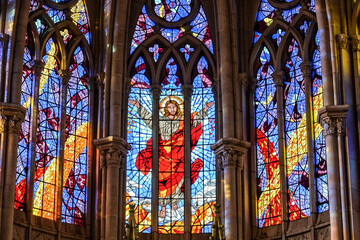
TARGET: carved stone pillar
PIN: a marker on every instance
(65, 77)
(155, 91)
(355, 183)
(4, 42)
(11, 117)
(278, 77)
(306, 68)
(38, 67)
(348, 160)
(187, 92)
(113, 151)
(226, 67)
(332, 118)
(229, 152)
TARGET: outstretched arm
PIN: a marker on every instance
(135, 103)
(144, 114)
(203, 113)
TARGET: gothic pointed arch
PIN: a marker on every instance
(53, 154)
(290, 144)
(171, 175)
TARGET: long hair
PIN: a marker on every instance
(178, 111)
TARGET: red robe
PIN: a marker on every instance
(171, 159)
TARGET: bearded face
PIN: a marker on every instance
(172, 109)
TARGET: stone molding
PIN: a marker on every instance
(187, 91)
(113, 151)
(229, 152)
(332, 119)
(38, 67)
(306, 67)
(156, 91)
(344, 41)
(11, 117)
(355, 42)
(278, 78)
(65, 74)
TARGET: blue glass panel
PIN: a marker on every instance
(267, 145)
(203, 166)
(172, 10)
(296, 136)
(143, 30)
(76, 141)
(139, 159)
(200, 29)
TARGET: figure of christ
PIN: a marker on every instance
(171, 150)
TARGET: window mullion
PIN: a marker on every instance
(156, 91)
(65, 76)
(187, 92)
(278, 77)
(38, 67)
(306, 67)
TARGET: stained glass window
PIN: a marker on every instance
(139, 136)
(176, 117)
(24, 141)
(203, 171)
(42, 129)
(319, 148)
(296, 135)
(76, 139)
(298, 154)
(267, 145)
(171, 10)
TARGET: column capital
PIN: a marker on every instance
(38, 67)
(11, 117)
(355, 42)
(156, 91)
(332, 119)
(65, 74)
(306, 67)
(278, 77)
(187, 91)
(230, 150)
(344, 41)
(113, 151)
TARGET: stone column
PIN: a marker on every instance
(4, 42)
(348, 161)
(252, 156)
(11, 117)
(187, 92)
(332, 118)
(230, 151)
(38, 67)
(278, 77)
(155, 91)
(355, 187)
(226, 69)
(306, 68)
(113, 151)
(245, 196)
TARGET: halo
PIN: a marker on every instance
(174, 98)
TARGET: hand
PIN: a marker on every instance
(207, 106)
(134, 102)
